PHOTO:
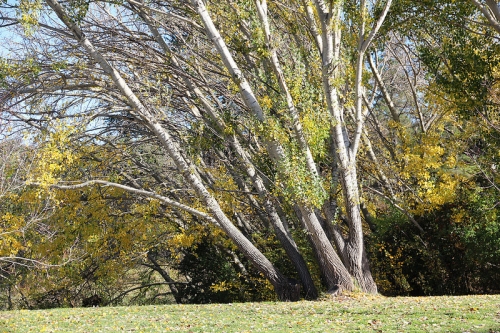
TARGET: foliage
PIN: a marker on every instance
(215, 279)
(456, 255)
(462, 61)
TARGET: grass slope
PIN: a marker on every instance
(361, 313)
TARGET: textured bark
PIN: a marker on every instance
(338, 270)
(352, 254)
(282, 233)
(333, 270)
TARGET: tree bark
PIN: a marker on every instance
(345, 152)
(282, 233)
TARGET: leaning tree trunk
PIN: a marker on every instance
(285, 289)
(330, 263)
(282, 233)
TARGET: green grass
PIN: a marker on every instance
(361, 313)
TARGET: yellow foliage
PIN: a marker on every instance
(265, 102)
(222, 286)
(54, 156)
(428, 164)
(182, 240)
(10, 231)
(458, 216)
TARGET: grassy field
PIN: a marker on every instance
(360, 313)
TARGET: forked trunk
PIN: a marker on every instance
(353, 251)
(354, 254)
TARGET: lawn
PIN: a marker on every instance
(361, 313)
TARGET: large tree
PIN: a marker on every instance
(278, 103)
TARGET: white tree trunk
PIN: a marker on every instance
(333, 270)
(353, 253)
(280, 283)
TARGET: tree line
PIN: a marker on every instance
(197, 151)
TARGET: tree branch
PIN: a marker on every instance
(140, 287)
(419, 227)
(488, 10)
(145, 193)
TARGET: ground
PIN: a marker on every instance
(359, 312)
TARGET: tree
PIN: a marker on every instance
(142, 110)
(454, 75)
(290, 107)
(22, 216)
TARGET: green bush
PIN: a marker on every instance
(458, 252)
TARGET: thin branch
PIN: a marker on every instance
(172, 15)
(140, 287)
(488, 10)
(383, 89)
(411, 218)
(367, 42)
(30, 262)
(145, 193)
(413, 87)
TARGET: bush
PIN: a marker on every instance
(457, 254)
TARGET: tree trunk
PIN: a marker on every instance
(332, 268)
(330, 263)
(354, 255)
(188, 171)
(282, 233)
(345, 157)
